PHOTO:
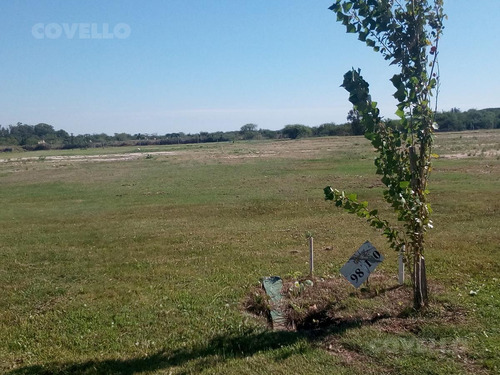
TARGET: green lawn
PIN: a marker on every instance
(141, 266)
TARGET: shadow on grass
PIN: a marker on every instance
(217, 350)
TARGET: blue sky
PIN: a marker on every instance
(209, 65)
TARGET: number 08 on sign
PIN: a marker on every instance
(361, 264)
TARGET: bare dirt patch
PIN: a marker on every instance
(472, 154)
(89, 158)
(326, 308)
(317, 302)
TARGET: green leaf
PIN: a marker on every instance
(335, 7)
(400, 95)
(370, 43)
(352, 197)
(347, 6)
(396, 80)
(404, 184)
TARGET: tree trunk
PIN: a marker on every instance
(420, 297)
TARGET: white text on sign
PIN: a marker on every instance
(361, 264)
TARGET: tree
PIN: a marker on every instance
(43, 130)
(406, 33)
(249, 131)
(249, 128)
(268, 134)
(122, 137)
(354, 119)
(297, 131)
(450, 121)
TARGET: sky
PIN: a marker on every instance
(168, 66)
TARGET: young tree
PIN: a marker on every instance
(406, 33)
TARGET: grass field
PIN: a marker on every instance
(140, 265)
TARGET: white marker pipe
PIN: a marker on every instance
(401, 264)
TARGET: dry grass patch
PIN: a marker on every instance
(313, 303)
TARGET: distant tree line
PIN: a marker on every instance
(473, 119)
(44, 136)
